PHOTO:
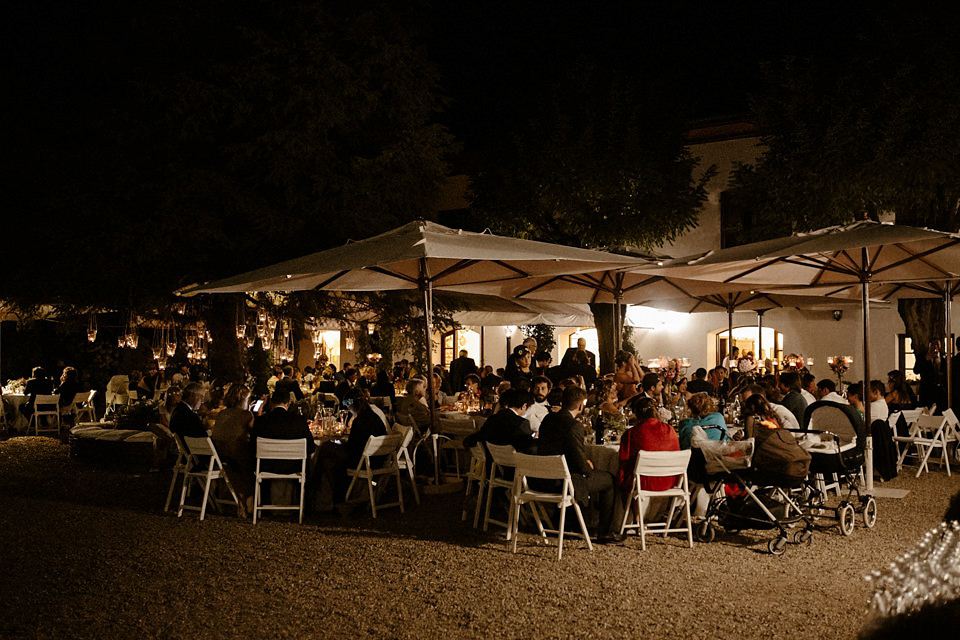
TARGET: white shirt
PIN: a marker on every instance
(833, 396)
(809, 396)
(787, 419)
(536, 413)
(879, 410)
(729, 363)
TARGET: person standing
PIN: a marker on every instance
(460, 369)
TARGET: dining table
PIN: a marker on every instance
(11, 406)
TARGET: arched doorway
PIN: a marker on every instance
(454, 341)
(747, 338)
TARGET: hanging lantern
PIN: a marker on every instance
(349, 342)
(121, 341)
(251, 340)
(92, 327)
(161, 363)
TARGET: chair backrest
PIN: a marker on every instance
(199, 446)
(952, 429)
(911, 415)
(842, 420)
(503, 454)
(662, 463)
(477, 453)
(930, 425)
(51, 402)
(545, 467)
(382, 445)
(82, 400)
(273, 449)
(407, 437)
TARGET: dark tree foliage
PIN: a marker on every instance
(874, 132)
(164, 143)
(877, 131)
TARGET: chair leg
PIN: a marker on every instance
(643, 527)
(686, 504)
(183, 493)
(466, 495)
(173, 483)
(303, 491)
(583, 525)
(486, 512)
(373, 501)
(563, 521)
(626, 511)
(413, 481)
(513, 519)
(476, 511)
(399, 488)
(256, 499)
(206, 496)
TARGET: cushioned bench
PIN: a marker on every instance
(112, 446)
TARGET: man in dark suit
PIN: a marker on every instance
(561, 433)
(288, 384)
(282, 424)
(184, 420)
(699, 383)
(581, 346)
(348, 383)
(459, 369)
(507, 426)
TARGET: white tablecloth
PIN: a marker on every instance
(11, 405)
(605, 457)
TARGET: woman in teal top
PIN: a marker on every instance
(703, 413)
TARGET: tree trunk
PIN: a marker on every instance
(225, 353)
(924, 322)
(603, 321)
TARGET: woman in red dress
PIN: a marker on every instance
(648, 434)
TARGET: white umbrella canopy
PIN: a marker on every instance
(414, 255)
(854, 254)
(422, 256)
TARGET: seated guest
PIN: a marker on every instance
(772, 395)
(471, 388)
(231, 435)
(827, 392)
(282, 424)
(699, 384)
(417, 405)
(383, 387)
(562, 434)
(349, 382)
(649, 433)
(759, 415)
(808, 388)
(703, 413)
(507, 426)
(855, 397)
(272, 380)
(792, 398)
(287, 383)
(538, 408)
(69, 386)
(519, 369)
(334, 457)
(149, 383)
(878, 406)
(38, 384)
(899, 394)
(184, 420)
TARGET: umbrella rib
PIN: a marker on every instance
(392, 274)
(332, 278)
(921, 257)
(458, 266)
(538, 286)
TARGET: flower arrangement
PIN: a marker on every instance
(839, 364)
(15, 386)
(794, 362)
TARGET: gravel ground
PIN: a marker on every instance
(89, 554)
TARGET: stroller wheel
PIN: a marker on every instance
(777, 546)
(706, 532)
(870, 513)
(846, 517)
(803, 536)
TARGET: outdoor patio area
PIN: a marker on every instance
(89, 553)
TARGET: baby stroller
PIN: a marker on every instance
(835, 436)
(743, 496)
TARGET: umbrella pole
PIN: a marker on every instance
(427, 287)
(947, 311)
(617, 327)
(865, 309)
(730, 335)
(760, 313)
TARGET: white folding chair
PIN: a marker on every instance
(179, 468)
(476, 474)
(197, 447)
(405, 460)
(502, 456)
(45, 405)
(378, 446)
(546, 468)
(926, 434)
(272, 449)
(660, 464)
(951, 434)
(83, 404)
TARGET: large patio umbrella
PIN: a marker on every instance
(420, 256)
(945, 290)
(859, 253)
